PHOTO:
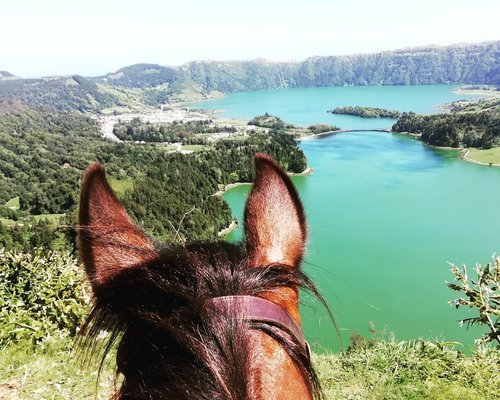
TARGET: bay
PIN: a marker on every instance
(386, 214)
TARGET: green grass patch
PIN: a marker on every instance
(120, 186)
(51, 371)
(192, 147)
(8, 222)
(485, 156)
(410, 370)
(54, 218)
(13, 203)
(385, 370)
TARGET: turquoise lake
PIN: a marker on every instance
(386, 214)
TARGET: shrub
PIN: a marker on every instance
(483, 294)
(41, 295)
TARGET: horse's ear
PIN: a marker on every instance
(109, 241)
(275, 226)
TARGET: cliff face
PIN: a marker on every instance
(467, 63)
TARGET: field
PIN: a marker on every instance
(13, 203)
(485, 156)
(120, 186)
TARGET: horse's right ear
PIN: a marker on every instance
(109, 242)
(275, 224)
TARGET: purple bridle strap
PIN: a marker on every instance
(256, 309)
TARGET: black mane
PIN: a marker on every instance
(170, 345)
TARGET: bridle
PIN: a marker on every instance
(257, 309)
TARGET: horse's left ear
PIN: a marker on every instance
(109, 241)
(275, 224)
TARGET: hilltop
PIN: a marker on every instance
(6, 75)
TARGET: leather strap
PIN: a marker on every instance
(253, 308)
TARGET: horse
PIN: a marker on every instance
(204, 321)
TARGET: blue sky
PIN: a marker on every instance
(93, 37)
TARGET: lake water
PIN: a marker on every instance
(386, 214)
(306, 106)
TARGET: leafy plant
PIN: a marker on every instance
(482, 293)
(41, 295)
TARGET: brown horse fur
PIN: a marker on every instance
(152, 300)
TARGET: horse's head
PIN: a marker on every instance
(201, 321)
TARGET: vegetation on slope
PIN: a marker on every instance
(44, 300)
(42, 296)
(43, 155)
(470, 124)
(269, 121)
(409, 370)
(386, 370)
(67, 93)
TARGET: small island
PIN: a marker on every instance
(366, 112)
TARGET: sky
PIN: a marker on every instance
(94, 37)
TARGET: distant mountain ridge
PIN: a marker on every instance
(463, 63)
(154, 84)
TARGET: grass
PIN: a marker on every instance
(485, 156)
(13, 203)
(7, 222)
(192, 147)
(53, 218)
(120, 186)
(410, 370)
(49, 217)
(384, 370)
(50, 371)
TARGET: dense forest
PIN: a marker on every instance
(481, 129)
(152, 84)
(43, 155)
(68, 93)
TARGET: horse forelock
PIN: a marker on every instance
(170, 345)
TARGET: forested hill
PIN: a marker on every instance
(464, 63)
(63, 93)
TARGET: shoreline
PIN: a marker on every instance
(230, 186)
(234, 223)
(483, 93)
(308, 171)
(464, 153)
(331, 133)
(226, 231)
